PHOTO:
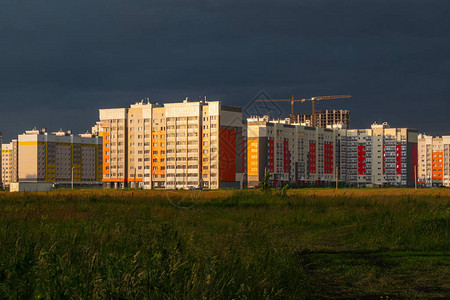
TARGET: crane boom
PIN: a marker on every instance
(281, 100)
(331, 97)
(275, 100)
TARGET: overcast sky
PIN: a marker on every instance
(60, 61)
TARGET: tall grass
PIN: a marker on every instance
(224, 244)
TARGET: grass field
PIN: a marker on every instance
(310, 243)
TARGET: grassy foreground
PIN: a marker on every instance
(312, 243)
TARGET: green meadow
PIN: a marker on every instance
(303, 244)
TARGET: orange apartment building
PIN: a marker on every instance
(434, 161)
(174, 146)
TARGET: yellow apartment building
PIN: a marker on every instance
(56, 157)
(6, 164)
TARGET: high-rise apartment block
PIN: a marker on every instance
(6, 164)
(289, 152)
(14, 167)
(59, 157)
(9, 163)
(380, 156)
(434, 161)
(173, 146)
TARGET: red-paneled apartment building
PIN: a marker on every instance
(380, 156)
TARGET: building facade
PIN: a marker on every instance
(14, 170)
(290, 152)
(59, 157)
(174, 146)
(9, 163)
(434, 161)
(380, 156)
(6, 164)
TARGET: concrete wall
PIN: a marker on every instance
(31, 186)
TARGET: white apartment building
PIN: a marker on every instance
(290, 152)
(173, 146)
(380, 156)
(434, 161)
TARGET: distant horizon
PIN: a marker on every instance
(6, 138)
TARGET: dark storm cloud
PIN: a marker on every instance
(62, 60)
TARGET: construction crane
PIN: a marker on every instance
(313, 102)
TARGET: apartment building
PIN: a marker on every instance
(14, 167)
(290, 152)
(56, 157)
(380, 156)
(434, 161)
(114, 132)
(326, 118)
(6, 164)
(173, 146)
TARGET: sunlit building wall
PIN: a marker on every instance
(55, 157)
(291, 153)
(175, 146)
(6, 164)
(434, 161)
(379, 156)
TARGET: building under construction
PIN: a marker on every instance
(326, 118)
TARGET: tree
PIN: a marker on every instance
(265, 182)
(284, 190)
